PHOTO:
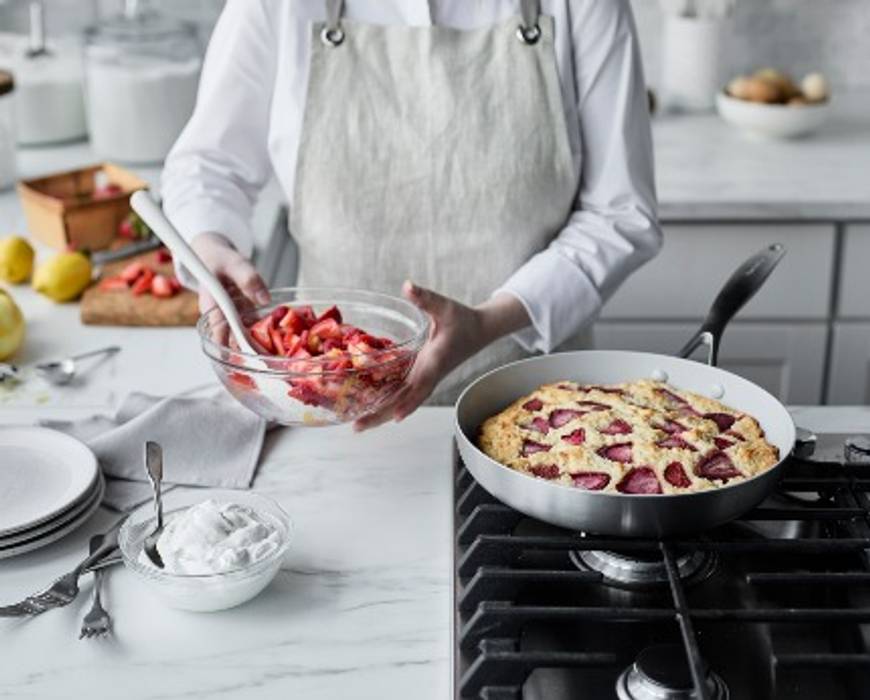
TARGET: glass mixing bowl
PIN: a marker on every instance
(314, 391)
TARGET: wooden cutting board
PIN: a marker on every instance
(121, 308)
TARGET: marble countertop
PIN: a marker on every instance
(709, 170)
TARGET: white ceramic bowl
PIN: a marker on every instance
(207, 592)
(772, 120)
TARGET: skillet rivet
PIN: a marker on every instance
(659, 375)
(717, 391)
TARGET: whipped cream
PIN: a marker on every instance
(213, 537)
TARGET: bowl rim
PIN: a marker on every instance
(420, 319)
(162, 575)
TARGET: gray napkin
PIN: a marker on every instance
(207, 441)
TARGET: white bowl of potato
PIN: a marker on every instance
(769, 104)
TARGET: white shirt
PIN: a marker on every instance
(248, 118)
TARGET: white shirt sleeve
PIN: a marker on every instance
(220, 162)
(613, 229)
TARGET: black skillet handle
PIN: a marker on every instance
(739, 289)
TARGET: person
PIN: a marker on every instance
(491, 159)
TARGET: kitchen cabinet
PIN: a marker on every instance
(850, 364)
(854, 295)
(787, 359)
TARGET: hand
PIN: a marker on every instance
(235, 272)
(457, 332)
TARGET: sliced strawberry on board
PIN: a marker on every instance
(114, 284)
(722, 443)
(530, 447)
(591, 481)
(724, 421)
(132, 271)
(617, 427)
(332, 312)
(538, 424)
(617, 453)
(176, 285)
(640, 480)
(163, 255)
(577, 437)
(161, 287)
(142, 285)
(716, 465)
(562, 416)
(126, 230)
(533, 405)
(676, 442)
(675, 475)
(262, 333)
(545, 471)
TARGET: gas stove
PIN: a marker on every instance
(774, 605)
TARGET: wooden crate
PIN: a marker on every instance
(61, 213)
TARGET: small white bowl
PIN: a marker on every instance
(773, 120)
(204, 592)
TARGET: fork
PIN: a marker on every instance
(97, 622)
(64, 590)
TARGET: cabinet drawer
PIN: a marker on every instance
(787, 359)
(850, 365)
(855, 280)
(683, 280)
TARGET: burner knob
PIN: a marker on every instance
(805, 444)
(662, 673)
(857, 450)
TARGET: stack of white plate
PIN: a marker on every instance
(49, 485)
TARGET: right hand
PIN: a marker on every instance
(236, 273)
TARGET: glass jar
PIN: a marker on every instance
(141, 75)
(7, 131)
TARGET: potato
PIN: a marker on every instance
(815, 87)
(760, 90)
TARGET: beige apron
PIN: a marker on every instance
(432, 154)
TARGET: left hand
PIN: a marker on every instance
(457, 332)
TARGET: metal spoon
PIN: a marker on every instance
(62, 371)
(154, 467)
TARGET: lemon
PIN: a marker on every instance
(11, 326)
(16, 259)
(63, 277)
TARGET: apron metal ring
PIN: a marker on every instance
(529, 35)
(332, 36)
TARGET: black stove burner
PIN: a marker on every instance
(639, 572)
(775, 605)
(661, 673)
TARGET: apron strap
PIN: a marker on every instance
(332, 34)
(529, 32)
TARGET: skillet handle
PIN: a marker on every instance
(739, 289)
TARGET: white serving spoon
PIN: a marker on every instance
(145, 206)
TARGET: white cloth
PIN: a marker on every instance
(248, 120)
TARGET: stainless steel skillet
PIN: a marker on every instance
(620, 514)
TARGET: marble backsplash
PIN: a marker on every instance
(798, 35)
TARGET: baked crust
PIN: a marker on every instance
(637, 437)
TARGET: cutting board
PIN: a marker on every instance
(121, 308)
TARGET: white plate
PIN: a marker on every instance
(42, 473)
(62, 530)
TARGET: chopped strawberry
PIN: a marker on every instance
(671, 427)
(604, 389)
(262, 333)
(676, 442)
(538, 424)
(278, 313)
(244, 381)
(176, 285)
(617, 427)
(567, 387)
(132, 271)
(563, 416)
(530, 447)
(577, 437)
(327, 328)
(161, 287)
(126, 230)
(675, 475)
(293, 321)
(545, 471)
(640, 480)
(106, 191)
(736, 435)
(722, 443)
(114, 284)
(716, 465)
(671, 398)
(533, 405)
(723, 421)
(333, 313)
(306, 313)
(594, 406)
(163, 255)
(142, 285)
(277, 342)
(591, 481)
(618, 453)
